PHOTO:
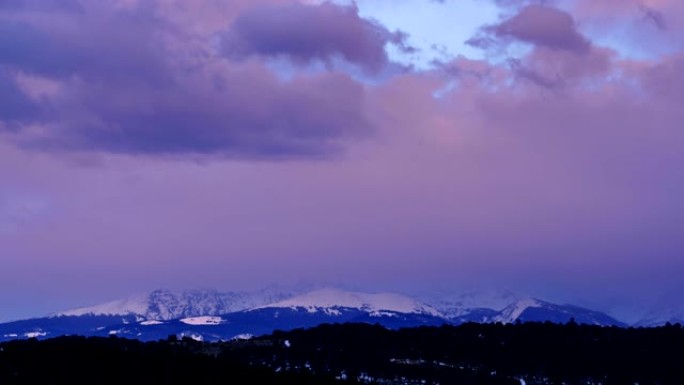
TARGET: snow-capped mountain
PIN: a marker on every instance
(470, 305)
(662, 315)
(667, 308)
(534, 310)
(661, 319)
(331, 300)
(469, 299)
(167, 305)
(210, 315)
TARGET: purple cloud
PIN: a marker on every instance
(16, 106)
(539, 25)
(654, 16)
(246, 114)
(85, 43)
(561, 57)
(144, 89)
(306, 33)
(664, 79)
(546, 27)
(41, 5)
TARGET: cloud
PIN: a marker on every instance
(539, 25)
(16, 106)
(41, 5)
(654, 16)
(664, 80)
(667, 16)
(560, 57)
(132, 81)
(19, 210)
(583, 177)
(307, 33)
(544, 27)
(236, 113)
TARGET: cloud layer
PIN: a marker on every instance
(306, 33)
(240, 143)
(153, 88)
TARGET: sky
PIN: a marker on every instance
(398, 145)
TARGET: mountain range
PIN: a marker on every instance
(211, 315)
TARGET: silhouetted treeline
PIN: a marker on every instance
(96, 360)
(536, 353)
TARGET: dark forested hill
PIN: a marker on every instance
(531, 353)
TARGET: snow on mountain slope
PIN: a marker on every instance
(513, 311)
(204, 320)
(660, 320)
(328, 299)
(667, 308)
(163, 305)
(151, 323)
(136, 304)
(534, 310)
(469, 305)
(166, 305)
(221, 316)
(661, 317)
(470, 299)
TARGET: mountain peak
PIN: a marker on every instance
(332, 298)
(532, 309)
(136, 304)
(513, 311)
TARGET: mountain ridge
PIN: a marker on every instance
(212, 315)
(163, 304)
